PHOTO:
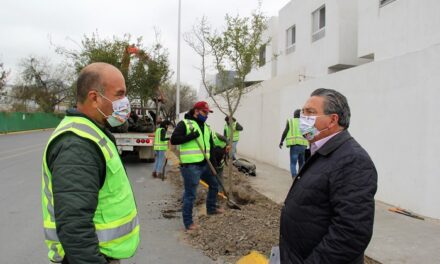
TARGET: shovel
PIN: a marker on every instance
(163, 169)
(231, 204)
(204, 184)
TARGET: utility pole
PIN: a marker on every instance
(178, 66)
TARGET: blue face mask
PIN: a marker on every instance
(201, 117)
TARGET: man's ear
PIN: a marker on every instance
(92, 96)
(334, 120)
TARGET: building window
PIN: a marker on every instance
(290, 39)
(318, 23)
(385, 2)
(262, 57)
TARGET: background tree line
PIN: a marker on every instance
(46, 85)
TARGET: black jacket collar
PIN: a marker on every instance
(330, 146)
(334, 143)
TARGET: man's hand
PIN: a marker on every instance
(194, 134)
(280, 145)
(228, 148)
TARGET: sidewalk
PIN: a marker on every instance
(396, 238)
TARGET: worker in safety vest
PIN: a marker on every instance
(237, 128)
(219, 153)
(295, 141)
(160, 147)
(193, 167)
(89, 210)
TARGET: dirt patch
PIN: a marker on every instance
(231, 235)
(170, 213)
(236, 232)
(369, 260)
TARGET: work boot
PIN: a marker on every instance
(154, 174)
(192, 227)
(217, 211)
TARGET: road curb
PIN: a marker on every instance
(25, 132)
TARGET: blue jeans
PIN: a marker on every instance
(234, 149)
(297, 153)
(191, 176)
(159, 161)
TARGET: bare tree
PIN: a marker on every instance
(3, 78)
(45, 84)
(187, 100)
(232, 53)
(3, 75)
(21, 99)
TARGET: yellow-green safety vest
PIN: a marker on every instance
(294, 136)
(116, 221)
(190, 151)
(217, 141)
(158, 143)
(236, 133)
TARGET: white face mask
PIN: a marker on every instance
(121, 111)
(307, 127)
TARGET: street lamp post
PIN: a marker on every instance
(178, 66)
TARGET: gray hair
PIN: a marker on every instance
(335, 103)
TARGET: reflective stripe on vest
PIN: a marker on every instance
(116, 221)
(104, 235)
(190, 151)
(294, 136)
(236, 136)
(158, 143)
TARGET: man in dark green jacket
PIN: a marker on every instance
(78, 170)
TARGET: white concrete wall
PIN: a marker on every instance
(348, 19)
(269, 70)
(394, 117)
(309, 58)
(312, 59)
(401, 27)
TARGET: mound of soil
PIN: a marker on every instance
(235, 233)
(229, 236)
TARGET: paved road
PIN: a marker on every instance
(21, 237)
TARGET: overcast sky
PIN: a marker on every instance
(27, 25)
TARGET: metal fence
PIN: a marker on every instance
(18, 121)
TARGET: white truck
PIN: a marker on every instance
(141, 143)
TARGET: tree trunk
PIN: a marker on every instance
(230, 143)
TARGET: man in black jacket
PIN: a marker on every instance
(328, 213)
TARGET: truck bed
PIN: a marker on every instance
(126, 141)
